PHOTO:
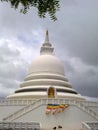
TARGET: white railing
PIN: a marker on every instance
(19, 125)
(90, 125)
(18, 102)
(87, 109)
(89, 103)
(39, 102)
(30, 101)
(85, 126)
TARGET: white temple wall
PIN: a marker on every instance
(69, 119)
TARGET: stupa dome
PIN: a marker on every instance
(47, 64)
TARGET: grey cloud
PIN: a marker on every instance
(8, 57)
(14, 23)
(91, 72)
(5, 50)
(9, 83)
(13, 68)
(91, 89)
(85, 83)
(68, 67)
(9, 70)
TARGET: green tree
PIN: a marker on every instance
(43, 6)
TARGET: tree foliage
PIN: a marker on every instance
(43, 6)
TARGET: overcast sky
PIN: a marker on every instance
(74, 36)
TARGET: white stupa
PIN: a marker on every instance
(46, 77)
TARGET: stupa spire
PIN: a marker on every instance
(47, 37)
(46, 46)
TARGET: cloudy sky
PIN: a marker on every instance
(74, 36)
